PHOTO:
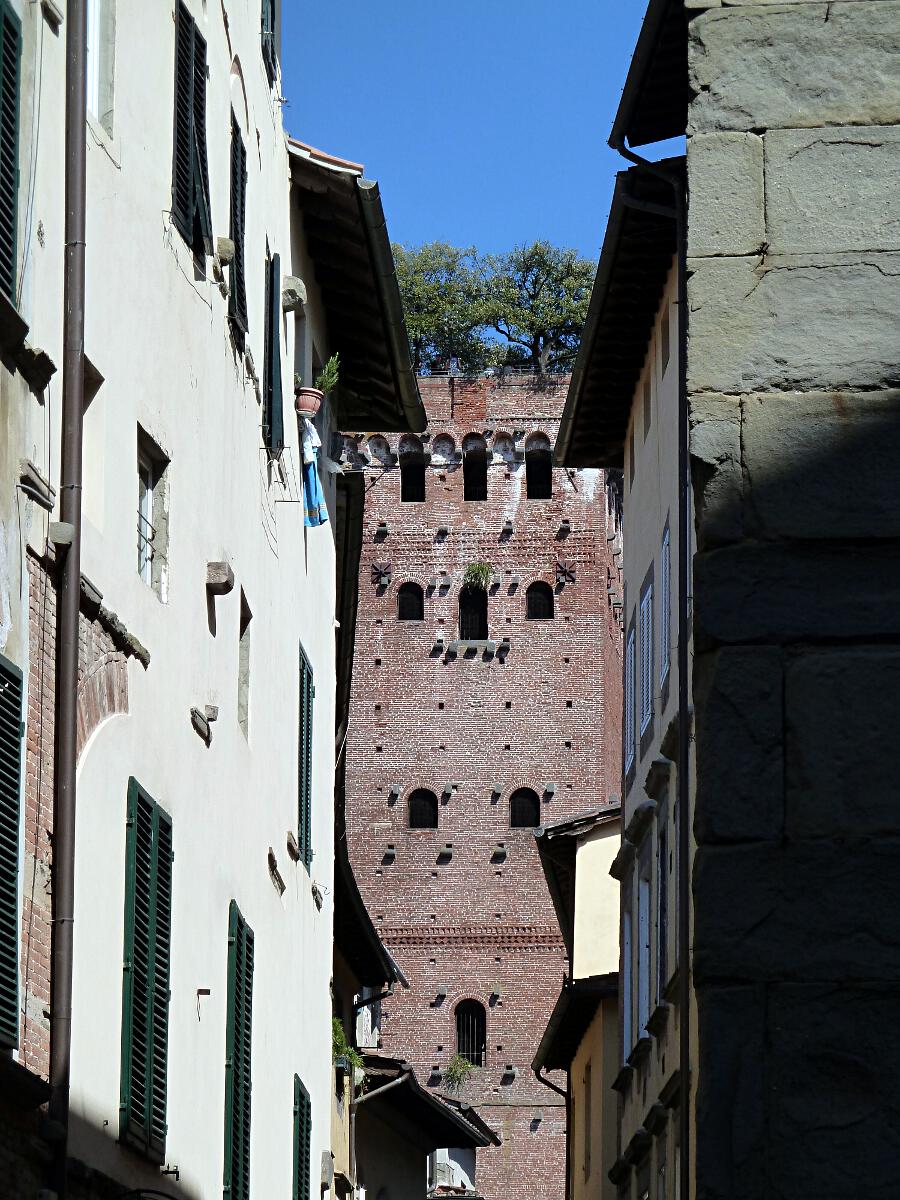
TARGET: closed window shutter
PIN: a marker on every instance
(238, 1039)
(665, 632)
(145, 1000)
(305, 739)
(273, 418)
(629, 700)
(10, 815)
(268, 38)
(190, 171)
(10, 54)
(237, 293)
(182, 174)
(302, 1141)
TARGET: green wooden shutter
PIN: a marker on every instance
(302, 1141)
(201, 168)
(268, 39)
(237, 293)
(145, 992)
(273, 398)
(10, 55)
(182, 159)
(305, 745)
(10, 818)
(238, 1041)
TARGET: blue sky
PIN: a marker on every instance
(484, 121)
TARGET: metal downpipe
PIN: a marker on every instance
(68, 597)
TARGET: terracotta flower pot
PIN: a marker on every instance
(307, 401)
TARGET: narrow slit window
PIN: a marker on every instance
(152, 514)
(243, 705)
(538, 467)
(471, 1032)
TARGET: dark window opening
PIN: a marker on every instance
(524, 809)
(269, 48)
(475, 466)
(538, 475)
(539, 602)
(473, 618)
(471, 1034)
(410, 602)
(423, 809)
(273, 396)
(412, 481)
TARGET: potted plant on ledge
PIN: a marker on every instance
(308, 400)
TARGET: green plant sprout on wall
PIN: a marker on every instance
(478, 575)
(456, 1073)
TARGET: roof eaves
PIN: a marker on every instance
(654, 101)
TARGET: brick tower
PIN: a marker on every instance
(474, 718)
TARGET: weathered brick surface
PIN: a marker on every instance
(102, 692)
(547, 712)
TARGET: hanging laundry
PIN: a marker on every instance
(314, 510)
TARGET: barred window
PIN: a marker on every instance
(471, 1032)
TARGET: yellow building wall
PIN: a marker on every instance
(594, 1115)
(596, 948)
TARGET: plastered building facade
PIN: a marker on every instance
(470, 716)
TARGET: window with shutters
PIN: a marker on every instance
(646, 658)
(269, 39)
(662, 897)
(10, 816)
(10, 68)
(190, 172)
(145, 993)
(302, 1141)
(237, 289)
(629, 701)
(643, 946)
(238, 1046)
(305, 769)
(273, 396)
(627, 951)
(665, 615)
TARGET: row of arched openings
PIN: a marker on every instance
(473, 605)
(476, 457)
(524, 809)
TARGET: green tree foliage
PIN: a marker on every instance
(441, 289)
(523, 309)
(536, 298)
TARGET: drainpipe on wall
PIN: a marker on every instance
(566, 1094)
(684, 706)
(68, 597)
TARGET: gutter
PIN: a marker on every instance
(375, 226)
(617, 143)
(68, 600)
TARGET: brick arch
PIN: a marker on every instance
(102, 693)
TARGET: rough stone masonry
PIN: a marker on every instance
(793, 365)
(471, 726)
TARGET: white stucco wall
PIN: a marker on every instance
(160, 339)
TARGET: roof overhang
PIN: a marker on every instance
(557, 845)
(437, 1122)
(347, 239)
(638, 252)
(572, 1014)
(354, 934)
(655, 98)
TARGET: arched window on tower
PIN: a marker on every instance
(473, 620)
(539, 602)
(475, 467)
(524, 809)
(423, 809)
(412, 470)
(471, 1031)
(538, 467)
(410, 602)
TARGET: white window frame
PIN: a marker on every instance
(665, 616)
(629, 701)
(145, 530)
(646, 658)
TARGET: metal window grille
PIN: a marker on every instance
(145, 529)
(471, 1032)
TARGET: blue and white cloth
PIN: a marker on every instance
(314, 510)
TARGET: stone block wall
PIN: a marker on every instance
(794, 330)
(545, 712)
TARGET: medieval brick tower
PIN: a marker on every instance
(475, 717)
